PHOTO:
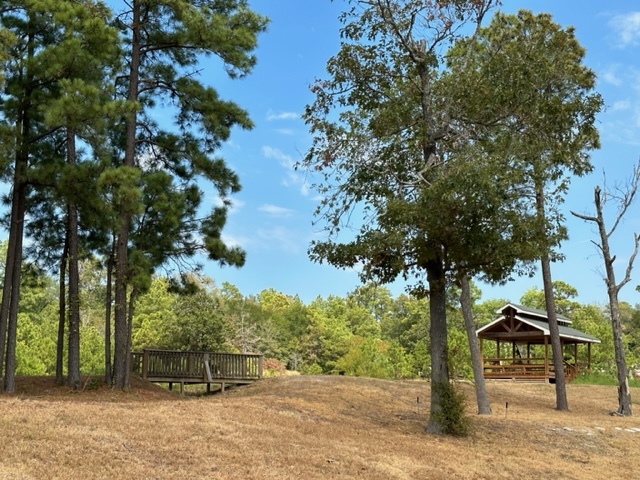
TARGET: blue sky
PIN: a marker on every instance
(272, 216)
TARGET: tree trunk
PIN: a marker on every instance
(7, 287)
(120, 374)
(550, 303)
(73, 352)
(107, 319)
(13, 271)
(132, 300)
(62, 312)
(554, 333)
(438, 339)
(16, 277)
(624, 394)
(484, 407)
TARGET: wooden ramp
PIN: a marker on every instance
(174, 366)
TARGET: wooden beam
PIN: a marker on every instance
(525, 334)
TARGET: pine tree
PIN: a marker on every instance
(166, 41)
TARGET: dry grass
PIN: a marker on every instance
(310, 427)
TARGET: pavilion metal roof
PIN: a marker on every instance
(537, 319)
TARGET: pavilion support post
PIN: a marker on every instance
(546, 357)
(513, 351)
(498, 349)
(589, 356)
(575, 357)
(528, 353)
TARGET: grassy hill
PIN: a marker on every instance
(310, 427)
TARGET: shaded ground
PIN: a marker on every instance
(310, 427)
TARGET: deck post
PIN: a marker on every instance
(145, 363)
(207, 369)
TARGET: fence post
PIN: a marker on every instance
(145, 363)
(260, 366)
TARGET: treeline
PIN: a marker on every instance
(368, 332)
(92, 173)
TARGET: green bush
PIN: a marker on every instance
(452, 416)
(313, 369)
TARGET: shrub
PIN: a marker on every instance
(313, 369)
(452, 417)
(272, 367)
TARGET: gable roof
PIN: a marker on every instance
(533, 312)
(567, 333)
(537, 320)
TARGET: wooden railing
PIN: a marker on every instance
(196, 367)
(524, 368)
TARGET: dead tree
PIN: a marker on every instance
(624, 197)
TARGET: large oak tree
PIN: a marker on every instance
(422, 146)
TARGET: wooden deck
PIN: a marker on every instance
(173, 366)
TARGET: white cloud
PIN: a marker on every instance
(286, 239)
(284, 159)
(627, 28)
(610, 75)
(234, 204)
(271, 116)
(233, 241)
(275, 210)
(293, 178)
(620, 105)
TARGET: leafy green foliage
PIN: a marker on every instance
(452, 413)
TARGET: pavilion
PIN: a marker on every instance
(521, 341)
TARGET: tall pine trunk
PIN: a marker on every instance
(107, 319)
(484, 407)
(62, 311)
(7, 288)
(73, 353)
(121, 354)
(13, 271)
(15, 276)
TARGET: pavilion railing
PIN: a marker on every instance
(531, 367)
